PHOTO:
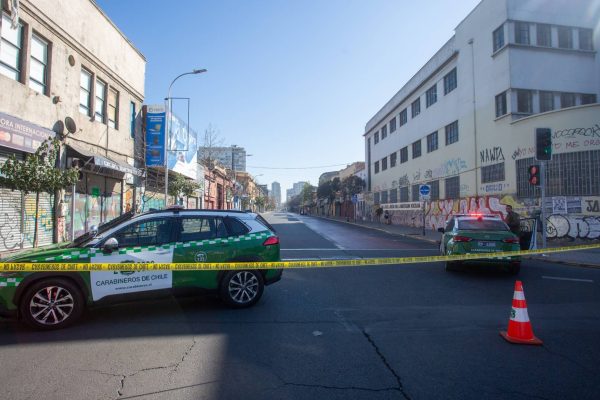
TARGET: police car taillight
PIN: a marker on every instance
(511, 240)
(459, 238)
(273, 240)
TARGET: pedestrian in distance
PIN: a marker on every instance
(513, 220)
(386, 217)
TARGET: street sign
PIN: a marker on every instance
(355, 198)
(424, 192)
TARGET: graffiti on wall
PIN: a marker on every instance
(573, 226)
(10, 227)
(492, 155)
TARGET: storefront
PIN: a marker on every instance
(104, 191)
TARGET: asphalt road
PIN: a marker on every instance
(385, 332)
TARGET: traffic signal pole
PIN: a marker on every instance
(543, 206)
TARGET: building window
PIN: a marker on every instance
(113, 108)
(394, 196)
(376, 137)
(377, 197)
(393, 159)
(415, 192)
(416, 149)
(38, 64)
(588, 99)
(415, 107)
(585, 39)
(404, 194)
(393, 125)
(100, 92)
(431, 95)
(384, 163)
(452, 133)
(567, 100)
(524, 102)
(432, 142)
(452, 187)
(384, 197)
(521, 32)
(546, 101)
(435, 190)
(403, 117)
(544, 35)
(383, 132)
(499, 38)
(492, 173)
(501, 108)
(404, 154)
(376, 167)
(450, 81)
(11, 44)
(132, 114)
(85, 92)
(565, 37)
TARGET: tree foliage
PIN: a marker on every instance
(180, 186)
(352, 185)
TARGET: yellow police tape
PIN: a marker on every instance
(196, 266)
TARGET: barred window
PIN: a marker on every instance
(565, 37)
(376, 167)
(522, 32)
(432, 142)
(544, 35)
(585, 39)
(567, 174)
(393, 158)
(404, 154)
(384, 163)
(501, 108)
(383, 132)
(588, 98)
(452, 187)
(403, 117)
(394, 196)
(431, 95)
(377, 198)
(435, 189)
(415, 192)
(492, 173)
(415, 107)
(567, 100)
(546, 101)
(416, 149)
(498, 38)
(404, 194)
(452, 133)
(376, 137)
(450, 81)
(524, 101)
(393, 125)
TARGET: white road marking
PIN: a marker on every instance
(558, 278)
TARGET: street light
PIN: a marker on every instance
(168, 129)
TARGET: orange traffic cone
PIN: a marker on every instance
(519, 327)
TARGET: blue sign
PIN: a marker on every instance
(155, 135)
(424, 190)
(355, 198)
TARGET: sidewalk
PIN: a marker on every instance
(580, 258)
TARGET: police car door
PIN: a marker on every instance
(146, 241)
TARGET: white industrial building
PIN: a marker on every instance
(465, 122)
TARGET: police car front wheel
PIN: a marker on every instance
(240, 289)
(51, 304)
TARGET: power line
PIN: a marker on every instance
(317, 167)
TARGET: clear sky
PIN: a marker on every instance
(294, 82)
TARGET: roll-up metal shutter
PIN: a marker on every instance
(10, 220)
(45, 219)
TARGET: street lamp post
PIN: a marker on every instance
(168, 102)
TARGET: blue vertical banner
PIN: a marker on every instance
(155, 135)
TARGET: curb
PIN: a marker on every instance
(417, 237)
(563, 262)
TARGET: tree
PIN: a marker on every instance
(352, 185)
(38, 174)
(260, 202)
(180, 186)
(207, 156)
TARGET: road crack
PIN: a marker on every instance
(400, 386)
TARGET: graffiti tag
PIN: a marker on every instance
(491, 155)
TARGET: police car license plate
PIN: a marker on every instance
(486, 244)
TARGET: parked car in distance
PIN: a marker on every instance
(478, 233)
(52, 300)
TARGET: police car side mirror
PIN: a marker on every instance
(441, 230)
(110, 245)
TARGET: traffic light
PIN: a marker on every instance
(534, 175)
(543, 144)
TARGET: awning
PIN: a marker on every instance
(104, 162)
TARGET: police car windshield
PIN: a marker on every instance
(88, 236)
(480, 224)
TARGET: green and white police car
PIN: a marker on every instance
(52, 300)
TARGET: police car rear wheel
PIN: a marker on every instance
(51, 304)
(240, 289)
